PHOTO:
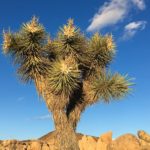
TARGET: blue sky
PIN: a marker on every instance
(23, 115)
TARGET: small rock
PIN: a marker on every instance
(103, 141)
(144, 136)
(35, 145)
(22, 146)
(46, 147)
(8, 142)
(87, 143)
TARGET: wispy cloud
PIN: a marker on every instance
(139, 3)
(113, 12)
(43, 117)
(132, 28)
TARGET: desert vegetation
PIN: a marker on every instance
(70, 72)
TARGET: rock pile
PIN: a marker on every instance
(104, 142)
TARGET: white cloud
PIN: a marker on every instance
(139, 3)
(131, 29)
(113, 12)
(109, 14)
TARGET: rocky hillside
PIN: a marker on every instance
(104, 142)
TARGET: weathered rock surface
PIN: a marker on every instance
(87, 143)
(125, 142)
(104, 142)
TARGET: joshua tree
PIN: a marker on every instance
(70, 72)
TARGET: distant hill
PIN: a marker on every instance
(51, 135)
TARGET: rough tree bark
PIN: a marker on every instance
(65, 118)
(65, 136)
(81, 101)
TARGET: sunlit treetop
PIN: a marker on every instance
(67, 61)
(69, 30)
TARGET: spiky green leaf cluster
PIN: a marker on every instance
(101, 49)
(49, 49)
(66, 61)
(64, 77)
(109, 86)
(26, 47)
(33, 31)
(71, 42)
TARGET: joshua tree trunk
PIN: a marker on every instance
(65, 135)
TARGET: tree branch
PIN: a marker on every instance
(80, 100)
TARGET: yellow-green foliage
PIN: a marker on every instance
(64, 76)
(102, 49)
(109, 86)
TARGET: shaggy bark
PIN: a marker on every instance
(75, 114)
(65, 135)
(65, 121)
(80, 100)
